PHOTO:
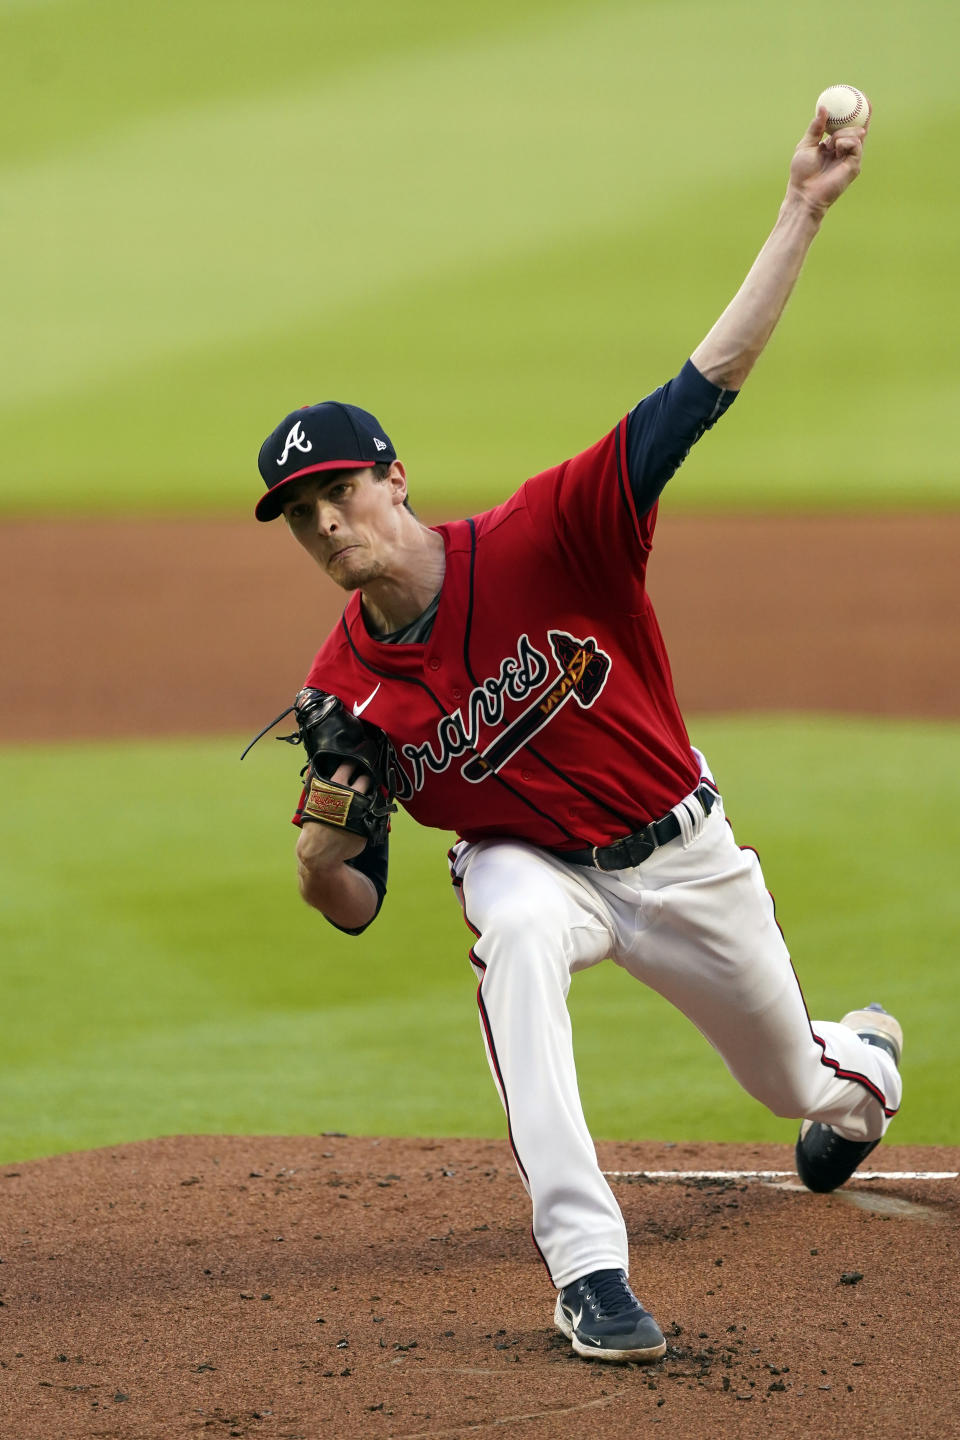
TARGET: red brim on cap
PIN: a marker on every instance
(269, 506)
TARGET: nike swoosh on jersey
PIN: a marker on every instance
(359, 709)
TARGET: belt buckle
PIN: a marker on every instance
(594, 851)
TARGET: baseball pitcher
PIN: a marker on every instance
(504, 677)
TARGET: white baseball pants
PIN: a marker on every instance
(696, 924)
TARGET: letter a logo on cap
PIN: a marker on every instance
(295, 437)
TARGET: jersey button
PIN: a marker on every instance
(434, 664)
(456, 692)
(527, 774)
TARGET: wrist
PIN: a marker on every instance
(320, 867)
(797, 208)
(322, 853)
(321, 880)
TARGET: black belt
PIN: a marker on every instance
(634, 849)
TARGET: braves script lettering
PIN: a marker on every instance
(485, 706)
(582, 673)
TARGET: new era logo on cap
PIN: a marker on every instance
(328, 436)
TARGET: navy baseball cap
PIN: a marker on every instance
(328, 436)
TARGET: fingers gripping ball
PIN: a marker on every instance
(332, 737)
(847, 108)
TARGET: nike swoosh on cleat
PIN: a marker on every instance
(359, 709)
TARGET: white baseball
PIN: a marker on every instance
(847, 107)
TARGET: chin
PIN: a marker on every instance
(352, 577)
(345, 579)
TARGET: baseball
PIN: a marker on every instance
(847, 107)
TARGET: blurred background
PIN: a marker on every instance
(497, 227)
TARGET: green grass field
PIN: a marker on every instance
(162, 977)
(495, 226)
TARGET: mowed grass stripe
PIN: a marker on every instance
(504, 235)
(483, 378)
(87, 70)
(161, 976)
(273, 208)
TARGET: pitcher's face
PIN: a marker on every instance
(348, 521)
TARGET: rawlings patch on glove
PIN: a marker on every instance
(332, 737)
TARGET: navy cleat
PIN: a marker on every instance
(604, 1320)
(825, 1159)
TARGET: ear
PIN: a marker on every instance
(397, 480)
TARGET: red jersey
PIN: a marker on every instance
(541, 706)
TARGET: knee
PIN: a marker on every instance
(524, 906)
(787, 1109)
(519, 923)
(789, 1098)
(521, 938)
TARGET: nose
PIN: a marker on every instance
(326, 518)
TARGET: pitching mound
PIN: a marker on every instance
(388, 1288)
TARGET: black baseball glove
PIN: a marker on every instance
(332, 737)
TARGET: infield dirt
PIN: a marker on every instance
(345, 1287)
(125, 627)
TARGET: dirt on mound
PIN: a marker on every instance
(388, 1288)
(127, 627)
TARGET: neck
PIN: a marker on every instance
(394, 600)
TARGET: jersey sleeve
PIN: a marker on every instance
(600, 507)
(664, 427)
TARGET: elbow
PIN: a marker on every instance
(726, 371)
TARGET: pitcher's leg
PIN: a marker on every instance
(825, 1158)
(716, 952)
(534, 926)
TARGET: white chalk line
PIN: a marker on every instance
(775, 1174)
(473, 1427)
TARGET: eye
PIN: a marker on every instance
(299, 511)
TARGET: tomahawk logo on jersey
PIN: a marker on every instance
(541, 706)
(582, 673)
